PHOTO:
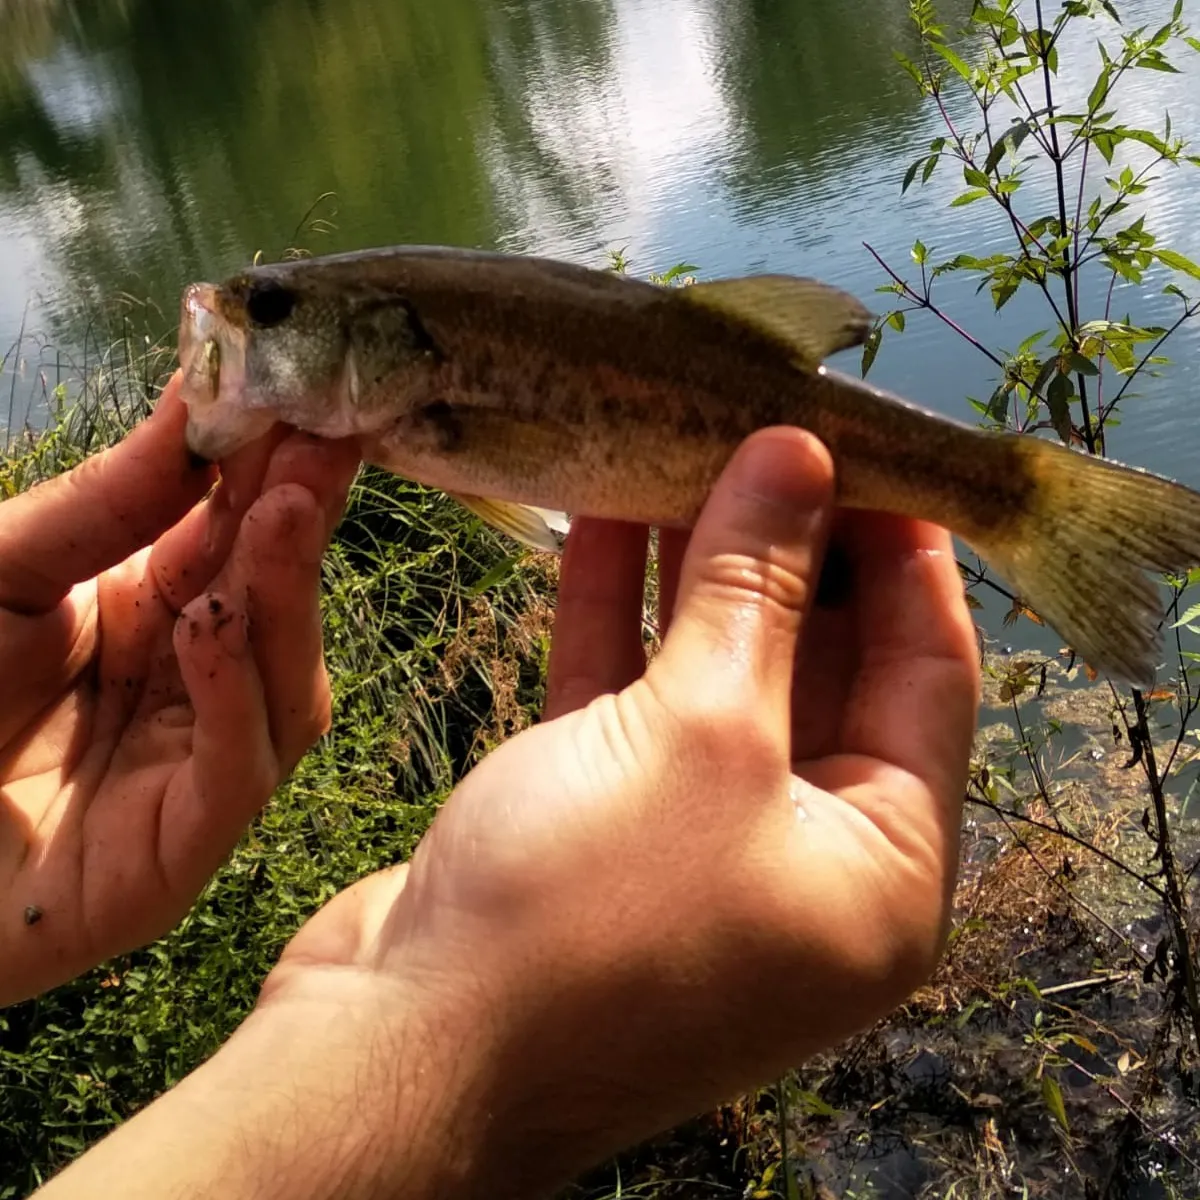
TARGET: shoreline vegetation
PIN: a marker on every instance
(1056, 1051)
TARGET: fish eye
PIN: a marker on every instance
(268, 304)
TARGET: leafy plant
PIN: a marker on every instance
(1069, 182)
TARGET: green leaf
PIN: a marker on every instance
(910, 175)
(1194, 43)
(912, 68)
(896, 320)
(498, 574)
(1058, 401)
(140, 1043)
(919, 253)
(975, 177)
(1177, 262)
(957, 63)
(1188, 617)
(871, 348)
(812, 1104)
(682, 268)
(1155, 62)
(1043, 376)
(1099, 89)
(967, 197)
(1145, 137)
(1052, 1097)
(1003, 290)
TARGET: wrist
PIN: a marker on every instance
(339, 1084)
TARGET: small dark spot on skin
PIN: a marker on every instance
(215, 606)
(193, 629)
(610, 409)
(137, 603)
(610, 458)
(72, 544)
(196, 462)
(212, 674)
(184, 572)
(221, 622)
(837, 578)
(129, 681)
(33, 914)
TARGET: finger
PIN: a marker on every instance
(749, 577)
(917, 652)
(597, 645)
(325, 467)
(276, 564)
(672, 548)
(188, 556)
(72, 527)
(233, 769)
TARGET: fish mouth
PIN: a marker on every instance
(212, 360)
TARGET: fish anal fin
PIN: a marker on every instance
(812, 318)
(540, 528)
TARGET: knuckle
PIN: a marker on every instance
(772, 576)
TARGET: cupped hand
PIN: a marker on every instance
(160, 674)
(695, 873)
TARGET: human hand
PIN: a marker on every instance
(697, 874)
(160, 652)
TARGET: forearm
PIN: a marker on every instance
(348, 1099)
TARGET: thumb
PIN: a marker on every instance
(749, 576)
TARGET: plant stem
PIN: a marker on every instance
(926, 303)
(1068, 270)
(1177, 903)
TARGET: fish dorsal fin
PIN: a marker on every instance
(540, 528)
(813, 319)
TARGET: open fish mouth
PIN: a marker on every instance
(212, 358)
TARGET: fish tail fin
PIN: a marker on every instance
(1081, 557)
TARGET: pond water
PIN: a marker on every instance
(146, 145)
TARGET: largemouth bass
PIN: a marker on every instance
(528, 388)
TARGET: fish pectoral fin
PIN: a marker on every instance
(814, 319)
(541, 528)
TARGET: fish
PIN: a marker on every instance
(533, 391)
